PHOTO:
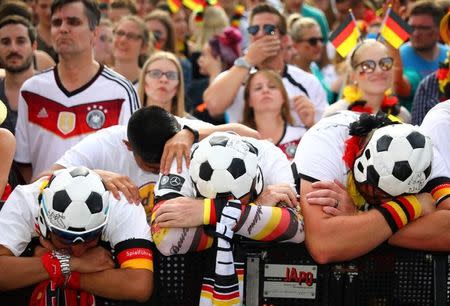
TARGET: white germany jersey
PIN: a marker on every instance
(106, 150)
(52, 119)
(297, 83)
(291, 138)
(18, 219)
(274, 166)
(319, 155)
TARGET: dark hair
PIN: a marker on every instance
(226, 46)
(164, 18)
(149, 128)
(16, 19)
(126, 4)
(266, 8)
(91, 9)
(429, 8)
(14, 7)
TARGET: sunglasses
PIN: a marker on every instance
(128, 35)
(313, 41)
(72, 237)
(157, 74)
(369, 66)
(269, 29)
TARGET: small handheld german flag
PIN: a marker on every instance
(345, 37)
(174, 5)
(394, 29)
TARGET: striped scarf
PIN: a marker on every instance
(224, 285)
(47, 294)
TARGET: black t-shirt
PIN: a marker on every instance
(11, 117)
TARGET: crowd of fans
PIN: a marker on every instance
(75, 71)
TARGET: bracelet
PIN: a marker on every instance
(194, 132)
(64, 261)
(399, 211)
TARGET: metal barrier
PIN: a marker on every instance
(285, 274)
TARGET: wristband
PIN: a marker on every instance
(209, 212)
(53, 268)
(194, 132)
(399, 211)
(73, 281)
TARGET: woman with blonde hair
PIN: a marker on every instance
(161, 83)
(214, 20)
(371, 80)
(267, 110)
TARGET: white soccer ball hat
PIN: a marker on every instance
(74, 203)
(224, 164)
(397, 159)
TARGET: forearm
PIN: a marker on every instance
(265, 223)
(170, 241)
(19, 272)
(119, 284)
(238, 128)
(344, 237)
(430, 232)
(221, 93)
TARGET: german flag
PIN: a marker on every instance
(395, 30)
(174, 5)
(345, 37)
(198, 5)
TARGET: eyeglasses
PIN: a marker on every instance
(128, 35)
(157, 74)
(269, 29)
(313, 41)
(369, 66)
(157, 35)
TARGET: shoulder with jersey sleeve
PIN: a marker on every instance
(18, 217)
(174, 184)
(125, 221)
(319, 154)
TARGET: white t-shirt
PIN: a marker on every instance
(436, 124)
(52, 119)
(291, 138)
(319, 155)
(274, 166)
(106, 150)
(18, 219)
(293, 78)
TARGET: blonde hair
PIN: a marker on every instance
(215, 20)
(249, 114)
(291, 19)
(300, 25)
(177, 107)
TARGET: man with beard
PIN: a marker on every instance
(17, 43)
(422, 55)
(62, 105)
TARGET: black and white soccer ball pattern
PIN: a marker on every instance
(224, 164)
(75, 200)
(397, 160)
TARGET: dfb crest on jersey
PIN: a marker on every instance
(73, 205)
(397, 159)
(224, 164)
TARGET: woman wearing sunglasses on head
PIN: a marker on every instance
(308, 43)
(371, 77)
